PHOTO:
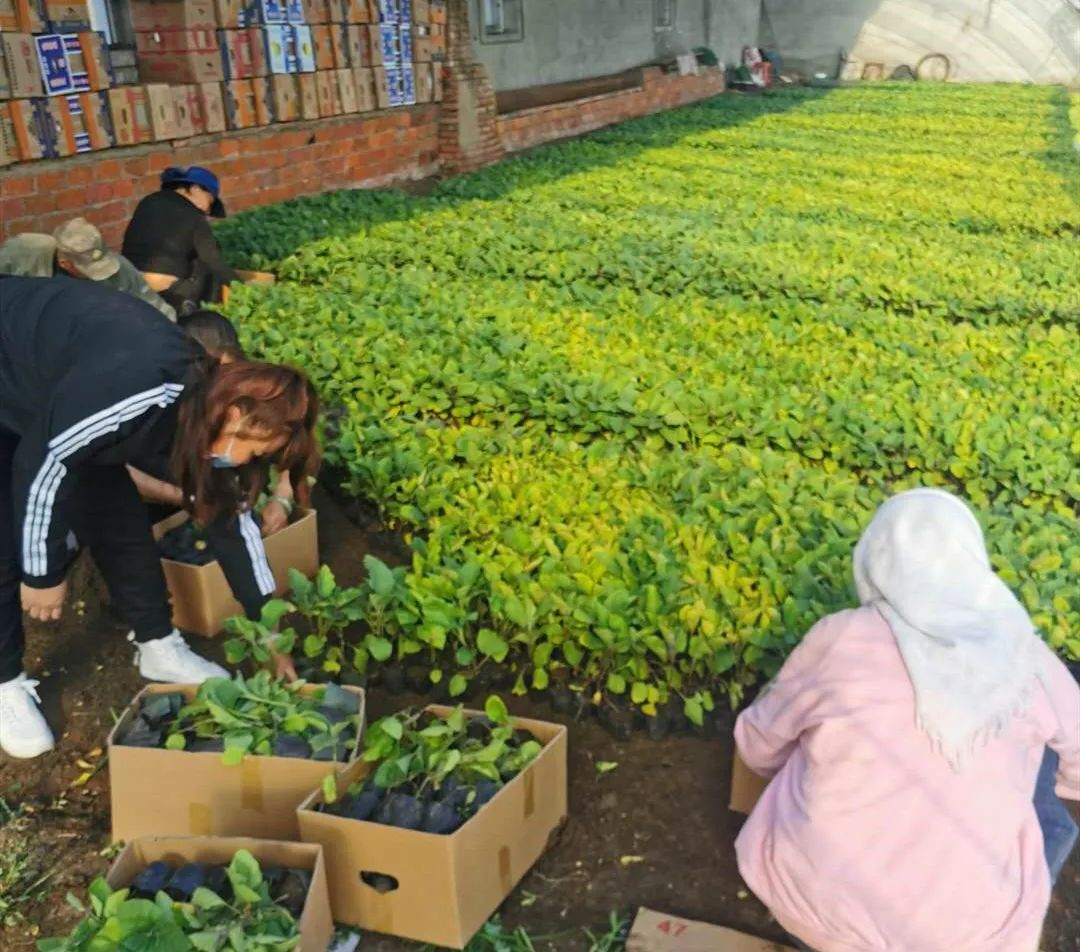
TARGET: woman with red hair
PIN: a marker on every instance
(92, 381)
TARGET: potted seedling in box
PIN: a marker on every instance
(239, 755)
(257, 715)
(174, 907)
(433, 773)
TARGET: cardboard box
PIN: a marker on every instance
(309, 95)
(356, 41)
(355, 11)
(405, 44)
(95, 59)
(98, 119)
(408, 85)
(382, 89)
(204, 593)
(294, 11)
(316, 924)
(185, 127)
(746, 786)
(231, 14)
(385, 11)
(438, 11)
(264, 105)
(33, 129)
(339, 42)
(365, 89)
(389, 44)
(213, 107)
(657, 932)
(316, 11)
(374, 46)
(346, 88)
(67, 16)
(269, 11)
(5, 86)
(201, 598)
(131, 115)
(305, 49)
(437, 82)
(448, 886)
(179, 68)
(324, 47)
(9, 145)
(25, 16)
(242, 53)
(73, 136)
(329, 96)
(279, 49)
(438, 43)
(421, 11)
(285, 98)
(150, 15)
(421, 43)
(161, 108)
(177, 41)
(156, 791)
(425, 83)
(21, 63)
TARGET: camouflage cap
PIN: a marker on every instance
(80, 243)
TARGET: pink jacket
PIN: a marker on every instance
(866, 840)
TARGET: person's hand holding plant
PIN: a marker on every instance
(44, 604)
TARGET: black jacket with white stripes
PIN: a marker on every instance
(92, 376)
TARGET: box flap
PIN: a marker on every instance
(657, 932)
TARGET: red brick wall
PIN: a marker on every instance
(256, 166)
(659, 90)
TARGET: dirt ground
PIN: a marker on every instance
(663, 806)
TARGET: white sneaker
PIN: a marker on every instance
(23, 731)
(170, 659)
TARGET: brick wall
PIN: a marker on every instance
(658, 91)
(257, 167)
(271, 164)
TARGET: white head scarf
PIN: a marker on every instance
(968, 644)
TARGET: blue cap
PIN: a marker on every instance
(197, 175)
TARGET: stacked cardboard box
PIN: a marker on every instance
(206, 66)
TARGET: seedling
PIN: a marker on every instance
(257, 715)
(208, 909)
(432, 773)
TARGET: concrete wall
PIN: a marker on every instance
(985, 40)
(567, 40)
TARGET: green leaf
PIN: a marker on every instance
(458, 685)
(639, 692)
(175, 742)
(325, 582)
(616, 683)
(381, 648)
(694, 711)
(391, 727)
(379, 575)
(329, 789)
(496, 710)
(606, 766)
(491, 645)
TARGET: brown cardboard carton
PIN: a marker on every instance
(359, 51)
(329, 97)
(746, 786)
(185, 126)
(67, 16)
(318, 11)
(130, 115)
(5, 85)
(9, 19)
(9, 144)
(657, 932)
(239, 97)
(95, 60)
(309, 95)
(21, 65)
(421, 43)
(365, 89)
(161, 108)
(205, 67)
(425, 83)
(374, 55)
(213, 107)
(316, 924)
(438, 11)
(65, 126)
(27, 124)
(149, 15)
(156, 791)
(230, 13)
(285, 94)
(346, 87)
(177, 41)
(98, 120)
(355, 11)
(339, 40)
(28, 16)
(264, 101)
(421, 11)
(201, 597)
(448, 886)
(324, 47)
(382, 91)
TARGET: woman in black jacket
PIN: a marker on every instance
(92, 380)
(169, 239)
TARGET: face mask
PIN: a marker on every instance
(224, 460)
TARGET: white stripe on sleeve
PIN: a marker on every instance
(46, 484)
(257, 553)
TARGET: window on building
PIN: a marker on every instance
(665, 14)
(501, 21)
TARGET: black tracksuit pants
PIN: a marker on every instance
(115, 524)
